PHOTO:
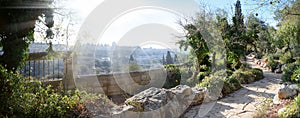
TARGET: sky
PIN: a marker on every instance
(132, 20)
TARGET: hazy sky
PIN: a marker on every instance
(130, 21)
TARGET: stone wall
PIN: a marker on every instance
(121, 83)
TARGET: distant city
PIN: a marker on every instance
(113, 58)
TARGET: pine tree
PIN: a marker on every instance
(169, 59)
(238, 37)
(163, 60)
(131, 59)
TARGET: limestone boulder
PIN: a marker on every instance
(167, 102)
(286, 91)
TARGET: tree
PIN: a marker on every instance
(234, 37)
(238, 40)
(199, 48)
(131, 59)
(169, 59)
(289, 32)
(163, 60)
(176, 59)
(18, 19)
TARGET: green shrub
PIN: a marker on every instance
(229, 72)
(235, 84)
(273, 56)
(296, 76)
(264, 109)
(257, 73)
(214, 85)
(202, 75)
(232, 61)
(219, 82)
(286, 58)
(288, 71)
(242, 76)
(272, 64)
(231, 84)
(20, 98)
(185, 75)
(292, 110)
(173, 76)
(248, 75)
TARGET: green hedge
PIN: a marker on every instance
(219, 82)
(272, 64)
(231, 84)
(248, 75)
(173, 76)
(20, 98)
(292, 110)
(296, 76)
(288, 72)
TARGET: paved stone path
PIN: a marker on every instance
(242, 103)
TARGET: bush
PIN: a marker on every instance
(20, 98)
(257, 73)
(242, 76)
(274, 56)
(173, 76)
(292, 110)
(219, 82)
(202, 75)
(248, 75)
(288, 71)
(231, 84)
(214, 85)
(296, 76)
(272, 64)
(286, 58)
(185, 75)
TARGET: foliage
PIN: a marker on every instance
(272, 64)
(288, 72)
(133, 66)
(288, 33)
(275, 56)
(231, 84)
(202, 75)
(248, 75)
(296, 76)
(292, 110)
(264, 108)
(185, 75)
(214, 85)
(198, 45)
(219, 82)
(169, 59)
(286, 58)
(29, 99)
(234, 37)
(257, 73)
(173, 76)
(17, 28)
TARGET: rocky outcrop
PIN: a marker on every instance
(155, 98)
(165, 102)
(287, 91)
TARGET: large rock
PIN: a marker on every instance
(167, 102)
(287, 91)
